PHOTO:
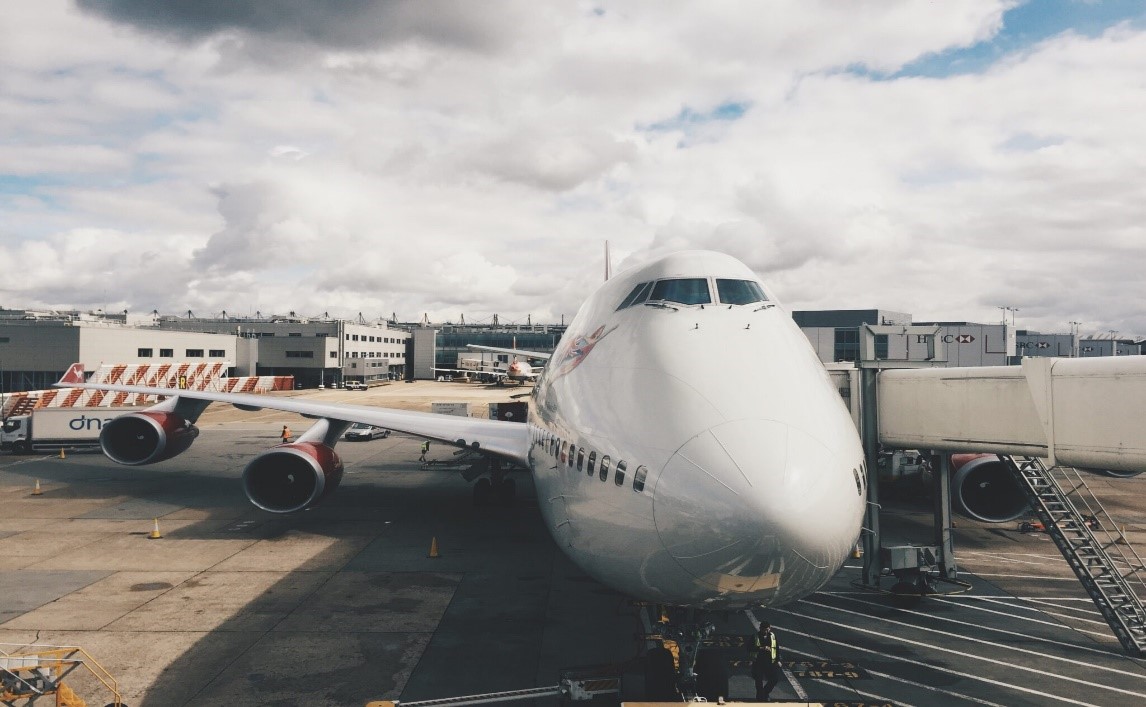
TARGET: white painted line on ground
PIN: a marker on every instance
(1055, 604)
(878, 699)
(1104, 634)
(1074, 609)
(1027, 636)
(1012, 554)
(1070, 578)
(1042, 654)
(1004, 558)
(901, 659)
(1012, 666)
(795, 685)
(905, 681)
(1048, 613)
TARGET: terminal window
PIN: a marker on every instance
(143, 353)
(847, 345)
(166, 353)
(194, 353)
(218, 353)
(300, 354)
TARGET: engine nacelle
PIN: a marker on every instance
(292, 477)
(146, 437)
(983, 488)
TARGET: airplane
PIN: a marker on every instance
(668, 481)
(517, 370)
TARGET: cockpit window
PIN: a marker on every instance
(690, 290)
(739, 292)
(637, 295)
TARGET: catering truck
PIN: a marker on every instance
(56, 428)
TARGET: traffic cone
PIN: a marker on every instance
(434, 548)
(62, 455)
(155, 534)
(36, 491)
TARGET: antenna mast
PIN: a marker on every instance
(608, 262)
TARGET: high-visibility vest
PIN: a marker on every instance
(425, 446)
(757, 646)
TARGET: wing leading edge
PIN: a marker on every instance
(504, 439)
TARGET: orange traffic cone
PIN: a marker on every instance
(36, 491)
(155, 534)
(434, 548)
(62, 455)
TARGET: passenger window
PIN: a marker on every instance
(604, 468)
(634, 296)
(739, 292)
(564, 445)
(580, 459)
(689, 290)
(619, 474)
(639, 479)
(592, 462)
(572, 449)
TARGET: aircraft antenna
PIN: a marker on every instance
(608, 262)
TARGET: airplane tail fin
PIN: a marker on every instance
(75, 374)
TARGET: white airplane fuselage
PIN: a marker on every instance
(753, 482)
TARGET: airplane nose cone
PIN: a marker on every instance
(750, 505)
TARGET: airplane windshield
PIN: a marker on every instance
(692, 290)
(636, 296)
(739, 291)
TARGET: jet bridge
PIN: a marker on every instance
(1081, 413)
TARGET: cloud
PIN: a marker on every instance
(350, 24)
(471, 157)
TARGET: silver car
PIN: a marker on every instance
(361, 431)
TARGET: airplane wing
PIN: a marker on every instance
(509, 440)
(518, 352)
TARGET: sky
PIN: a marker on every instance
(424, 157)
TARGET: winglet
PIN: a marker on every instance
(75, 374)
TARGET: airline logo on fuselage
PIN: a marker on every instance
(579, 349)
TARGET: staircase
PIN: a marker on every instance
(29, 673)
(1110, 570)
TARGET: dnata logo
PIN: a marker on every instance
(83, 422)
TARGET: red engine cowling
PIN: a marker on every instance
(292, 477)
(982, 488)
(146, 437)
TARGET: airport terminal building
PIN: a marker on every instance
(37, 347)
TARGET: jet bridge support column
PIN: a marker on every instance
(942, 497)
(869, 434)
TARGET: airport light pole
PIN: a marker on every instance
(1113, 342)
(1075, 329)
(1012, 310)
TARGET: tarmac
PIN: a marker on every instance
(341, 605)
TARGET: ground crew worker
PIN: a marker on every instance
(765, 660)
(425, 448)
(286, 434)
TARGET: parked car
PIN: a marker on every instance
(361, 431)
(355, 385)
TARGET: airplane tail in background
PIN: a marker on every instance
(75, 374)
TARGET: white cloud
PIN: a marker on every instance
(473, 160)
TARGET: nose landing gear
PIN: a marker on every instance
(692, 670)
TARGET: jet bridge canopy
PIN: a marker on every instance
(1081, 412)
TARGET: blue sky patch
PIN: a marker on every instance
(689, 118)
(1023, 27)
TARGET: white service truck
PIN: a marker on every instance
(57, 428)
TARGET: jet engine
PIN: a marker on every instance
(146, 437)
(292, 477)
(983, 488)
